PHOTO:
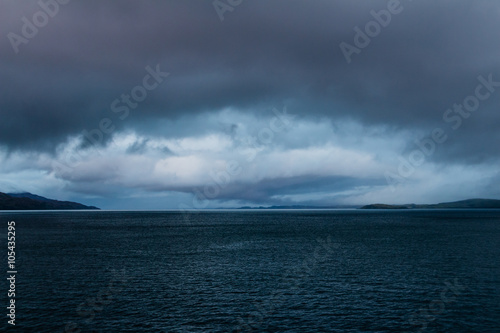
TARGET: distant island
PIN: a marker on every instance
(464, 204)
(28, 201)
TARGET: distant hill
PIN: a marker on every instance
(29, 195)
(28, 201)
(469, 204)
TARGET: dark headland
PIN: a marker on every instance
(464, 204)
(28, 201)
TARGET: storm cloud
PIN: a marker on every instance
(82, 116)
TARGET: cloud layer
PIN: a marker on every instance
(81, 118)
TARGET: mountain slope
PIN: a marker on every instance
(29, 195)
(28, 201)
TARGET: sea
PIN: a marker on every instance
(253, 271)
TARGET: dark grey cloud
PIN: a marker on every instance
(263, 55)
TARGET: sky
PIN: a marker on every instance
(205, 104)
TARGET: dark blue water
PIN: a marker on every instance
(278, 271)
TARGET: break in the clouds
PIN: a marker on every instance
(193, 104)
